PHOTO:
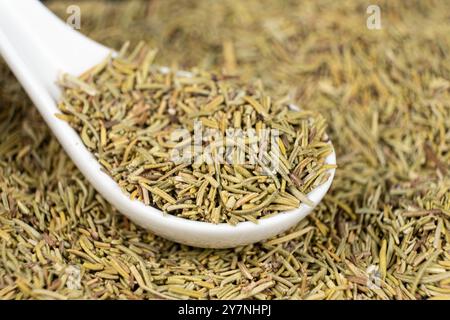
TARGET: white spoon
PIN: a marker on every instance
(39, 47)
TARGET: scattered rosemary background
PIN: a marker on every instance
(381, 233)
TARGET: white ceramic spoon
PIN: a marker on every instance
(39, 47)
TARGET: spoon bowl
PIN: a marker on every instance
(39, 47)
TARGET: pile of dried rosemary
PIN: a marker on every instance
(241, 155)
(381, 233)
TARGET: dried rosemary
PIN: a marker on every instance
(195, 145)
(381, 233)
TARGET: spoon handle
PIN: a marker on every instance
(33, 36)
